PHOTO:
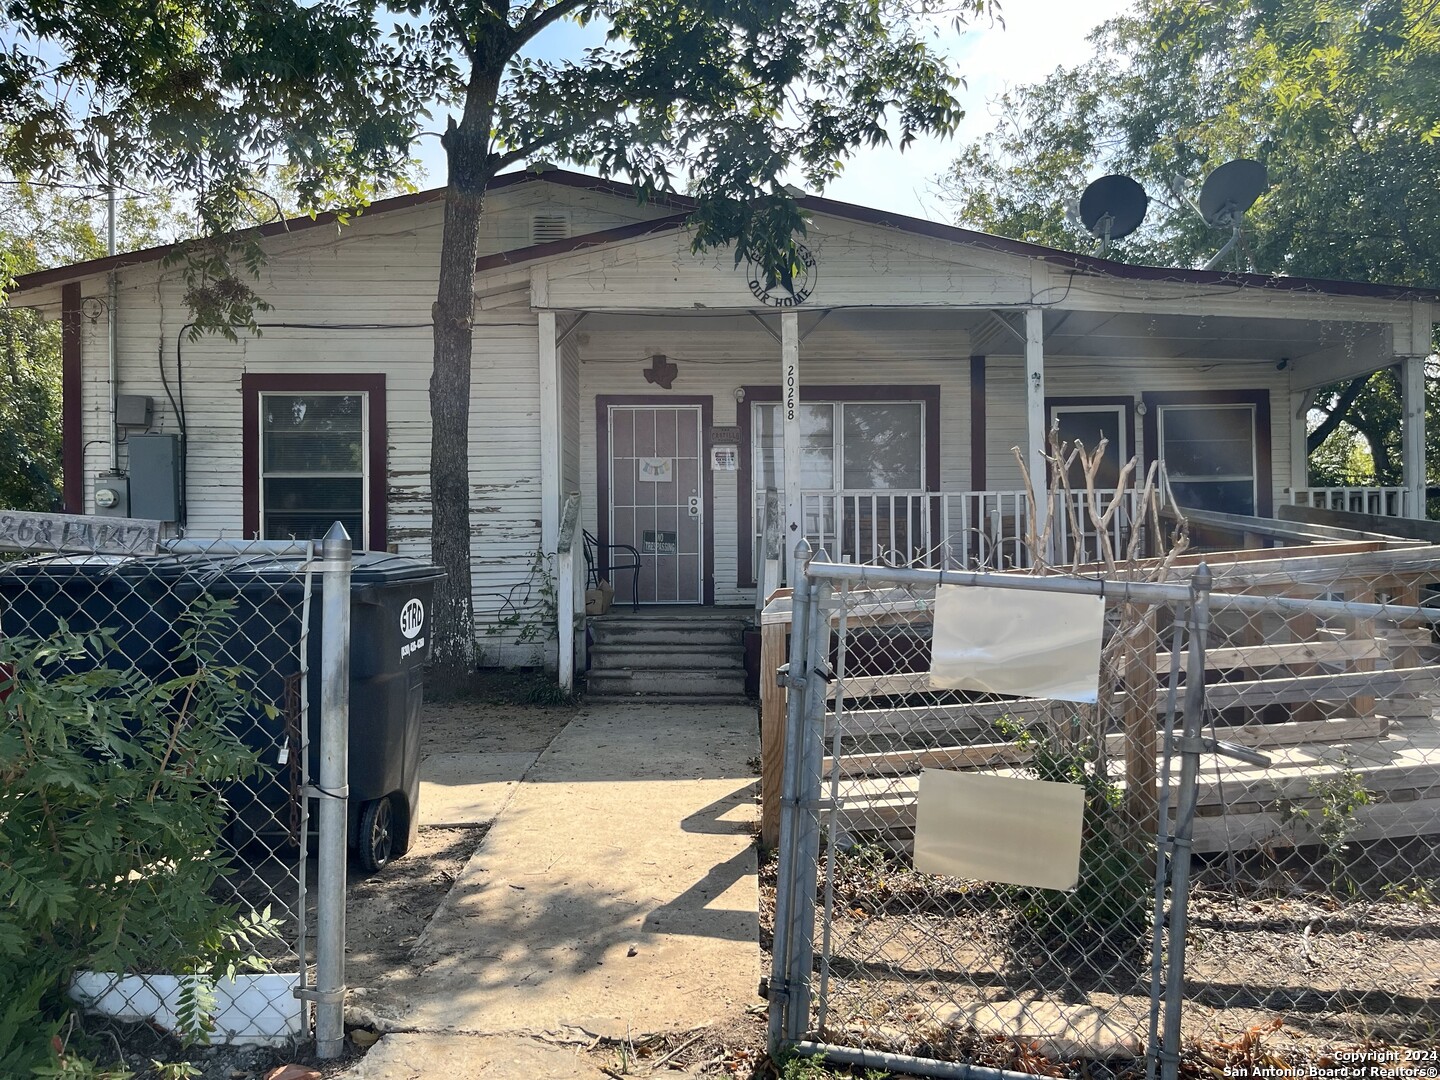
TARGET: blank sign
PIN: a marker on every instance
(1005, 641)
(998, 828)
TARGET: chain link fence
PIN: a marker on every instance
(215, 646)
(1281, 728)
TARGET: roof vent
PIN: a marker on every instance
(548, 227)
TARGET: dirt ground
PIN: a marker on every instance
(1296, 981)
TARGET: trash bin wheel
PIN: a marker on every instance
(377, 834)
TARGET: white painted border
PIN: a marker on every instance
(251, 1010)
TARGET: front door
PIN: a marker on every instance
(657, 497)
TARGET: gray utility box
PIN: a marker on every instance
(154, 477)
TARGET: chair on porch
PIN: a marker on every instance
(597, 568)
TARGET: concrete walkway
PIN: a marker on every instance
(615, 895)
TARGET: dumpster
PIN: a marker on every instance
(390, 602)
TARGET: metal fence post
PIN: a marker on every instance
(1190, 747)
(787, 894)
(809, 780)
(333, 789)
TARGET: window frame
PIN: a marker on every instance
(925, 395)
(1259, 403)
(1125, 406)
(253, 387)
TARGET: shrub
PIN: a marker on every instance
(1108, 911)
(110, 812)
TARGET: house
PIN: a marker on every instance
(879, 396)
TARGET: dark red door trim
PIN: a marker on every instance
(72, 438)
(929, 394)
(978, 464)
(602, 471)
(253, 385)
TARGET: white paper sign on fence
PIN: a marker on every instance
(1005, 641)
(998, 828)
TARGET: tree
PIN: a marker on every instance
(1336, 97)
(44, 225)
(721, 98)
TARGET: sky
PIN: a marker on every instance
(1032, 38)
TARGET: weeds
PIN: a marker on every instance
(1330, 815)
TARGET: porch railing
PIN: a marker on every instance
(950, 530)
(1379, 501)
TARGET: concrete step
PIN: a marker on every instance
(668, 656)
(706, 683)
(604, 631)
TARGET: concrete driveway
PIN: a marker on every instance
(615, 894)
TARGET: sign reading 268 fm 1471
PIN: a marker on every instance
(21, 531)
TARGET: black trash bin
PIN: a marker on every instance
(390, 607)
(390, 603)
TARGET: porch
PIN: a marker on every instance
(894, 417)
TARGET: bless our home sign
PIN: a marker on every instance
(779, 295)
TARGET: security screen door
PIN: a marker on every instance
(657, 497)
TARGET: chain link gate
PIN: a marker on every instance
(878, 965)
(242, 612)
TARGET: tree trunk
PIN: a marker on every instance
(467, 155)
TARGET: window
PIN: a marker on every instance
(314, 455)
(1215, 446)
(1088, 420)
(867, 454)
(879, 446)
(312, 464)
(1209, 454)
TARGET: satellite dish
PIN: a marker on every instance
(1112, 207)
(1231, 190)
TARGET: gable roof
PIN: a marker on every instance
(1087, 264)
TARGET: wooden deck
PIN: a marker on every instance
(1396, 760)
(1321, 693)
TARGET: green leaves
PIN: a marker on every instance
(111, 804)
(1336, 97)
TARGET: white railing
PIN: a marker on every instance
(950, 530)
(1379, 501)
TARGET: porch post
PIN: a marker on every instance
(790, 417)
(1035, 426)
(1299, 442)
(549, 354)
(549, 433)
(1412, 433)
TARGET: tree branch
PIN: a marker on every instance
(510, 157)
(538, 18)
(1337, 415)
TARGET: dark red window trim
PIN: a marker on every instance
(253, 385)
(602, 471)
(1154, 402)
(72, 438)
(929, 394)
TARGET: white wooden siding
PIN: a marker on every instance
(855, 265)
(379, 270)
(382, 269)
